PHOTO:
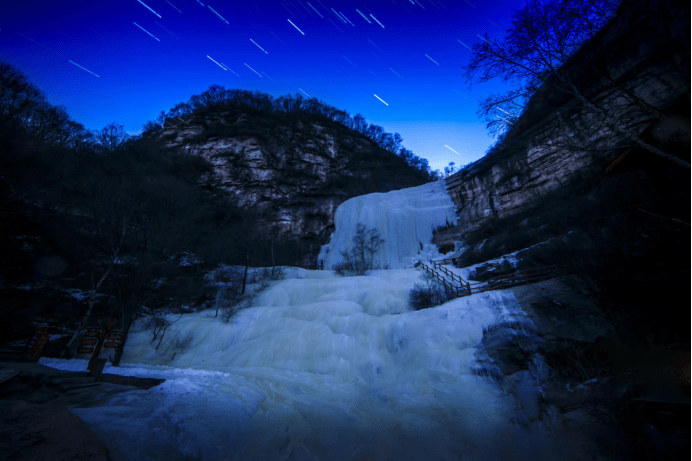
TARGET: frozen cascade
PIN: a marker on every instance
(325, 367)
(405, 218)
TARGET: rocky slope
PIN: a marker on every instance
(290, 173)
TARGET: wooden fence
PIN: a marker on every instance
(460, 287)
(463, 288)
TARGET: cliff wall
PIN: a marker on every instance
(638, 68)
(572, 182)
(289, 173)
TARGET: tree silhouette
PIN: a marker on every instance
(544, 35)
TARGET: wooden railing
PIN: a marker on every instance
(444, 261)
(438, 265)
(460, 287)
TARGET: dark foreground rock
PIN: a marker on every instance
(49, 431)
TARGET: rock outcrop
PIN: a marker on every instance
(638, 69)
(291, 173)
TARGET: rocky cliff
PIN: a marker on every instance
(291, 173)
(636, 72)
(595, 178)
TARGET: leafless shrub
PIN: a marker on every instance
(429, 294)
(242, 302)
(183, 345)
(159, 325)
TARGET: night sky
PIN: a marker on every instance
(124, 61)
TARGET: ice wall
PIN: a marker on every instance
(405, 218)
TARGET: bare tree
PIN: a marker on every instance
(18, 97)
(543, 36)
(361, 255)
(110, 138)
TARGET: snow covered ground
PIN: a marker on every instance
(322, 367)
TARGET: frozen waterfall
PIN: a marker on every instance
(324, 367)
(405, 218)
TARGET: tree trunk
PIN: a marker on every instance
(244, 279)
(272, 250)
(119, 351)
(85, 319)
(80, 327)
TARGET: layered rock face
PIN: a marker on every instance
(634, 79)
(291, 174)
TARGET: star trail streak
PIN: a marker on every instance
(462, 95)
(464, 44)
(167, 30)
(263, 73)
(289, 11)
(452, 149)
(295, 27)
(258, 46)
(364, 17)
(377, 20)
(216, 63)
(316, 11)
(431, 59)
(337, 15)
(146, 31)
(373, 44)
(176, 9)
(260, 75)
(145, 5)
(220, 17)
(395, 73)
(32, 40)
(349, 60)
(83, 68)
(342, 14)
(277, 37)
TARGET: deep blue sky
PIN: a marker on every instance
(341, 63)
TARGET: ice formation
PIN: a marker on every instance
(405, 218)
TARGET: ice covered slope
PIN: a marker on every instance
(405, 218)
(321, 368)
